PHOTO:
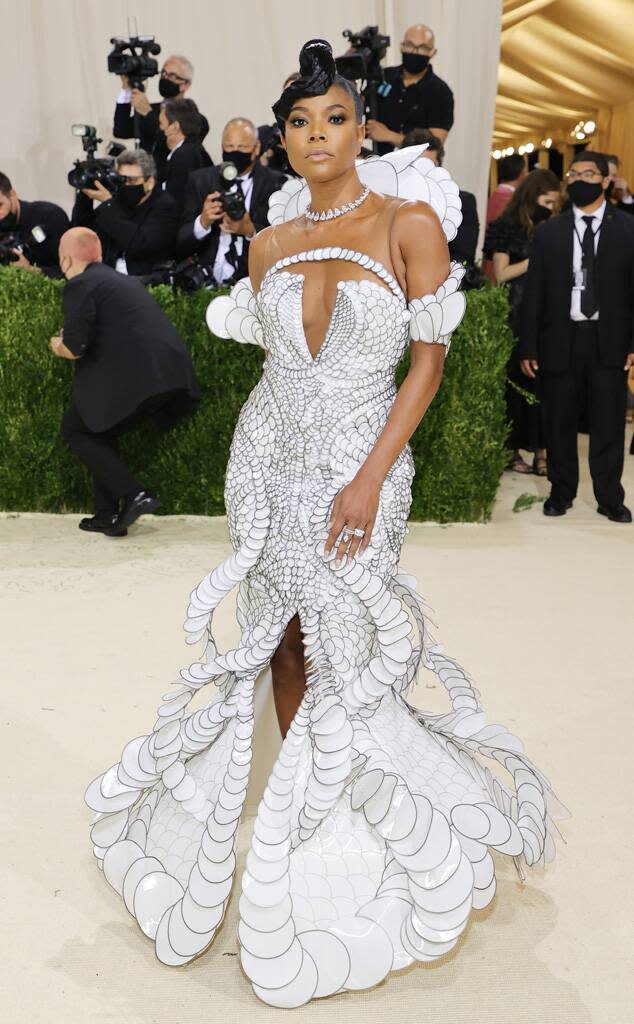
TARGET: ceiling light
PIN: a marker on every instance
(589, 127)
(521, 150)
(580, 136)
(529, 147)
(510, 150)
(497, 153)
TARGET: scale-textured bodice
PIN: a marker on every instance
(313, 421)
(368, 328)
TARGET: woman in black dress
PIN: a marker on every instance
(507, 243)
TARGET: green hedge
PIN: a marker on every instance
(459, 449)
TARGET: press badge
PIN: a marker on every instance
(580, 278)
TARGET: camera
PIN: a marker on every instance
(10, 241)
(232, 202)
(370, 48)
(187, 274)
(86, 172)
(138, 66)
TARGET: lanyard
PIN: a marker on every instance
(588, 228)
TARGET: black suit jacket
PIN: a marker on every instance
(145, 235)
(200, 184)
(53, 220)
(150, 136)
(545, 324)
(129, 349)
(463, 247)
(187, 158)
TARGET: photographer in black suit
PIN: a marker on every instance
(206, 230)
(174, 82)
(577, 333)
(137, 226)
(180, 124)
(22, 220)
(131, 363)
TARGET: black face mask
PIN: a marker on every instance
(414, 63)
(9, 223)
(582, 193)
(130, 195)
(541, 213)
(235, 156)
(167, 89)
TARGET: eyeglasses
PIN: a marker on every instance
(176, 79)
(584, 175)
(408, 47)
(242, 149)
(133, 179)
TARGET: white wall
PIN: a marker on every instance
(54, 56)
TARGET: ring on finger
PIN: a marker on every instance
(358, 532)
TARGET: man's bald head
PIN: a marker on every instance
(81, 245)
(78, 247)
(419, 35)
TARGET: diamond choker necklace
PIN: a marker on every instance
(339, 211)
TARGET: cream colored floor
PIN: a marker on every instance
(539, 611)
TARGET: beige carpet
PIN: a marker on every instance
(538, 610)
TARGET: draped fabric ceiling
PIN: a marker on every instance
(562, 61)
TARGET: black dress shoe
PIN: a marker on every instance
(618, 514)
(102, 524)
(141, 505)
(552, 508)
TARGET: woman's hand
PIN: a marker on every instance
(355, 507)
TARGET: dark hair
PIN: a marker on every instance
(522, 203)
(612, 158)
(5, 185)
(598, 159)
(317, 73)
(420, 136)
(185, 112)
(510, 167)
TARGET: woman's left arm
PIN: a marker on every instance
(425, 260)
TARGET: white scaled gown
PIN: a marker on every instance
(374, 838)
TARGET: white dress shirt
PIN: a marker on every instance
(578, 234)
(222, 268)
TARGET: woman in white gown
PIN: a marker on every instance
(373, 840)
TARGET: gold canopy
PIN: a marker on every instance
(563, 61)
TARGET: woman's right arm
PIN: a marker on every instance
(504, 270)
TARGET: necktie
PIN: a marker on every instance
(588, 263)
(232, 255)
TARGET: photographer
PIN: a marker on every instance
(130, 363)
(180, 124)
(207, 230)
(272, 153)
(175, 80)
(137, 226)
(35, 227)
(412, 96)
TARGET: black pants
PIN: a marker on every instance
(112, 480)
(603, 390)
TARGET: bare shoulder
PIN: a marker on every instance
(419, 247)
(414, 218)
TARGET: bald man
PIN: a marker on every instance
(219, 241)
(130, 362)
(412, 96)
